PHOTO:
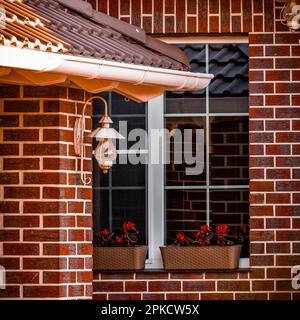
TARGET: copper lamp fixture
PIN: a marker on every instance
(106, 152)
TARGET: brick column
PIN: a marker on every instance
(46, 213)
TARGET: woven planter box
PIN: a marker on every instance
(201, 258)
(120, 258)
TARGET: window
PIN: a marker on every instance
(220, 193)
(121, 194)
(163, 199)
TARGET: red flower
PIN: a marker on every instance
(222, 229)
(104, 232)
(119, 240)
(128, 225)
(180, 237)
(197, 234)
(205, 228)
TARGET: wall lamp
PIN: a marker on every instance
(290, 14)
(106, 152)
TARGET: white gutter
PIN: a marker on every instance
(90, 68)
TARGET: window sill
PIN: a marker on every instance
(240, 270)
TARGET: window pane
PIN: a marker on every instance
(229, 105)
(186, 211)
(101, 209)
(177, 173)
(128, 175)
(122, 105)
(130, 205)
(185, 105)
(229, 151)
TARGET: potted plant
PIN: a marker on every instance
(210, 248)
(118, 250)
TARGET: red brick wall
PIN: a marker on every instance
(274, 149)
(45, 221)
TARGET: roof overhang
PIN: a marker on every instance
(138, 82)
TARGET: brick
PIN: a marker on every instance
(255, 198)
(10, 291)
(233, 285)
(44, 178)
(287, 112)
(84, 221)
(44, 149)
(44, 263)
(257, 248)
(288, 162)
(288, 136)
(151, 275)
(256, 51)
(58, 164)
(288, 235)
(84, 276)
(262, 285)
(9, 121)
(153, 296)
(278, 174)
(58, 135)
(76, 235)
(296, 197)
(182, 296)
(278, 51)
(278, 100)
(21, 193)
(296, 125)
(262, 235)
(21, 277)
(278, 223)
(45, 235)
(9, 178)
(9, 91)
(296, 247)
(256, 173)
(278, 273)
(10, 263)
(9, 149)
(296, 75)
(155, 286)
(261, 260)
(85, 193)
(108, 286)
(261, 137)
(44, 121)
(278, 149)
(256, 149)
(214, 24)
(44, 207)
(296, 149)
(58, 193)
(284, 285)
(59, 106)
(101, 296)
(21, 106)
(199, 285)
(277, 125)
(21, 221)
(185, 275)
(21, 164)
(287, 63)
(84, 249)
(217, 296)
(260, 38)
(286, 38)
(276, 75)
(76, 263)
(9, 235)
(251, 296)
(58, 221)
(261, 63)
(59, 277)
(261, 210)
(126, 297)
(9, 207)
(257, 223)
(261, 162)
(257, 273)
(45, 92)
(256, 76)
(135, 286)
(278, 247)
(75, 290)
(287, 211)
(278, 198)
(287, 87)
(259, 186)
(56, 249)
(21, 135)
(256, 100)
(20, 249)
(117, 276)
(288, 185)
(280, 296)
(44, 291)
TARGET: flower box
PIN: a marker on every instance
(201, 258)
(120, 258)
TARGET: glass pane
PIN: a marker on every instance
(229, 158)
(229, 105)
(180, 153)
(186, 211)
(100, 210)
(128, 175)
(230, 207)
(130, 205)
(185, 105)
(122, 105)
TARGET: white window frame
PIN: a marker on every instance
(156, 173)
